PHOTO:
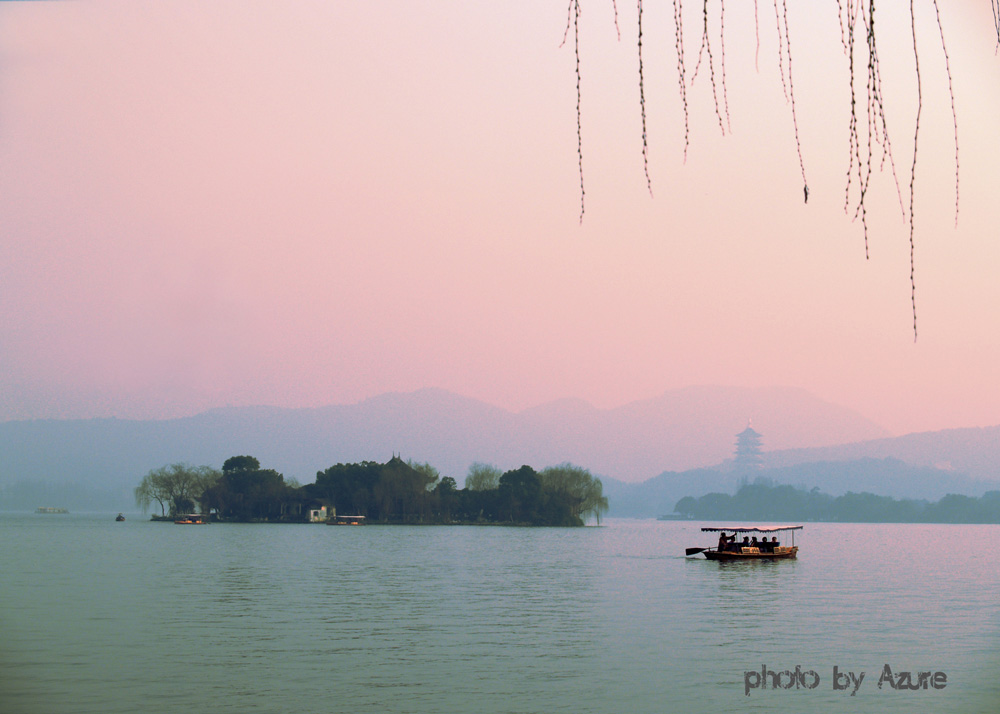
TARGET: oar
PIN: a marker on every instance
(694, 551)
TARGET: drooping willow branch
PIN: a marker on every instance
(951, 95)
(877, 125)
(995, 4)
(781, 51)
(791, 97)
(642, 106)
(756, 33)
(706, 50)
(913, 169)
(861, 149)
(913, 165)
(574, 19)
(681, 80)
(722, 59)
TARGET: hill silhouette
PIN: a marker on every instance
(678, 430)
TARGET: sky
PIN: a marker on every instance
(303, 203)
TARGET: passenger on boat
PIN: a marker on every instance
(723, 541)
(753, 542)
(746, 542)
(774, 543)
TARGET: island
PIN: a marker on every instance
(394, 492)
(766, 501)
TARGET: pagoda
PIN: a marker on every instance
(747, 457)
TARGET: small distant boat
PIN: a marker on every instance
(346, 521)
(191, 519)
(49, 509)
(119, 517)
(765, 550)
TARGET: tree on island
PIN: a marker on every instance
(395, 490)
(520, 495)
(176, 488)
(446, 495)
(246, 492)
(563, 495)
(483, 477)
(240, 463)
(583, 493)
(398, 492)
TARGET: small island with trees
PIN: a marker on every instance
(766, 501)
(397, 492)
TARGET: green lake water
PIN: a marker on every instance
(98, 616)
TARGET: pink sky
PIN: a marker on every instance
(301, 203)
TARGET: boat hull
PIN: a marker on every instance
(782, 554)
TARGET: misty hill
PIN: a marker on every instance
(882, 477)
(761, 502)
(681, 429)
(972, 451)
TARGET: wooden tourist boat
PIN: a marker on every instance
(191, 519)
(346, 521)
(734, 550)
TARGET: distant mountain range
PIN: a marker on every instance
(673, 433)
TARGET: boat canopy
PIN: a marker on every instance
(753, 529)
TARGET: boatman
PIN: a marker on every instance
(725, 540)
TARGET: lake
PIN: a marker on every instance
(99, 616)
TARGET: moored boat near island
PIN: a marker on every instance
(346, 521)
(191, 519)
(749, 548)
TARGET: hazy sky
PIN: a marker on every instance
(308, 202)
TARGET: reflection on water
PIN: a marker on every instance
(139, 616)
(751, 593)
